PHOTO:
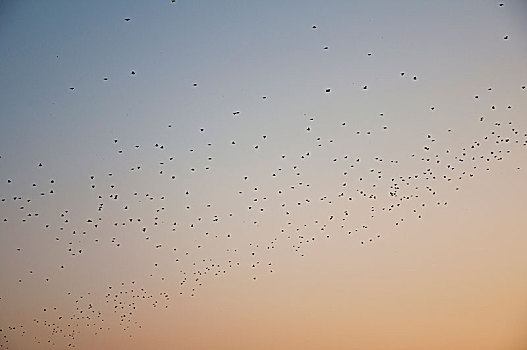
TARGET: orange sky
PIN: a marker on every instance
(263, 175)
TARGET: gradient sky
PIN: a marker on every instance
(268, 178)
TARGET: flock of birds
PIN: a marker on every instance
(291, 204)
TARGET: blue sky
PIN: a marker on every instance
(243, 108)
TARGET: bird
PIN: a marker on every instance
(160, 184)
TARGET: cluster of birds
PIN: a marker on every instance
(194, 236)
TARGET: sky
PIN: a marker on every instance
(263, 174)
